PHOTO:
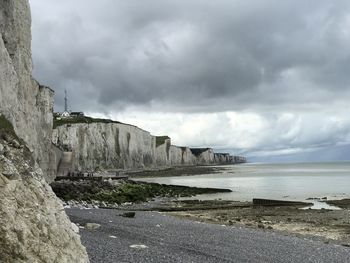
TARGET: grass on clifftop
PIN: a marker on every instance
(161, 140)
(80, 119)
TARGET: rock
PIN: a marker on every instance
(92, 226)
(313, 198)
(32, 209)
(33, 224)
(16, 144)
(8, 169)
(261, 226)
(138, 246)
(75, 228)
(128, 214)
(25, 103)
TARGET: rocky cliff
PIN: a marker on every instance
(109, 146)
(33, 224)
(103, 146)
(23, 101)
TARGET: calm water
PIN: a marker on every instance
(273, 181)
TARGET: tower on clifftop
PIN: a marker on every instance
(65, 101)
(66, 113)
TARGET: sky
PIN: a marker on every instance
(267, 79)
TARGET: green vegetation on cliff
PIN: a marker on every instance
(7, 128)
(161, 140)
(80, 119)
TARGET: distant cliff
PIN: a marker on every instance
(33, 224)
(107, 145)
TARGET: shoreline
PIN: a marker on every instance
(328, 226)
(114, 193)
(291, 219)
(178, 171)
(331, 225)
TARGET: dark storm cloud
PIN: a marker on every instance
(192, 55)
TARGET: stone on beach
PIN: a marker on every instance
(92, 226)
(128, 214)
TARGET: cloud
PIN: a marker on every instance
(188, 53)
(272, 74)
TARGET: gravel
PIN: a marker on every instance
(155, 237)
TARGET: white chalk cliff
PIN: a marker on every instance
(33, 224)
(108, 146)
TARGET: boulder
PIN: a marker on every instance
(33, 224)
(92, 226)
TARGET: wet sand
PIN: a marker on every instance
(332, 225)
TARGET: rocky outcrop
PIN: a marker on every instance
(23, 101)
(109, 146)
(33, 224)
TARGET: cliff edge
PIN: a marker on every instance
(25, 103)
(108, 145)
(33, 224)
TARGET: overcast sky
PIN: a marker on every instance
(263, 77)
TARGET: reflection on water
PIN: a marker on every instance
(273, 181)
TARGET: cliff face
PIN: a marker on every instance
(103, 146)
(23, 101)
(110, 146)
(33, 225)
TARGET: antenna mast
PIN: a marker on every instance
(65, 101)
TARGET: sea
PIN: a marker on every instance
(282, 181)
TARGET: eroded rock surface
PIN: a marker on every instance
(108, 146)
(33, 224)
(23, 101)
